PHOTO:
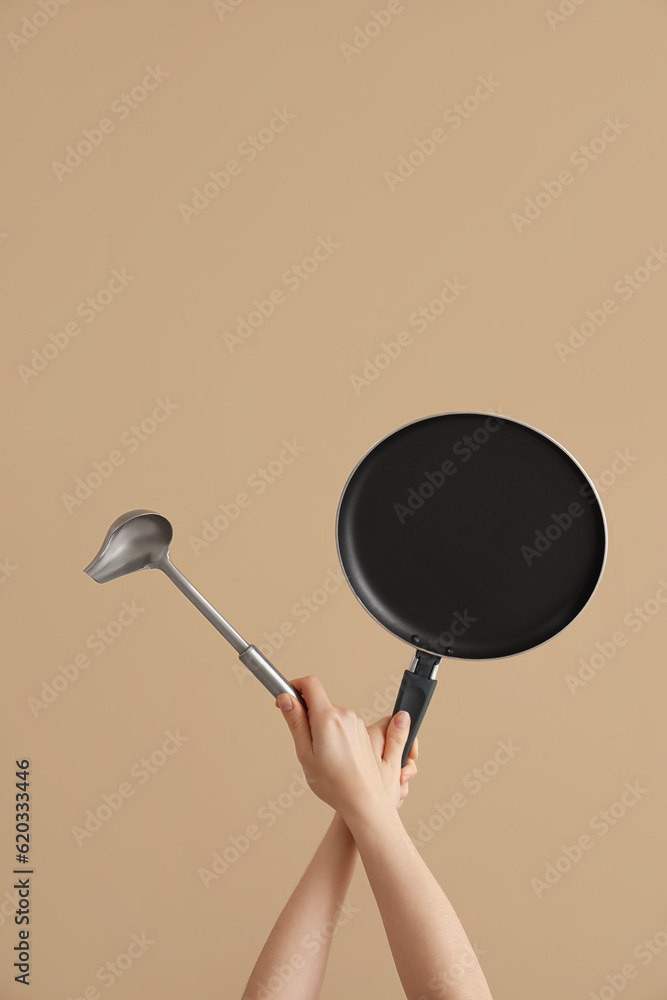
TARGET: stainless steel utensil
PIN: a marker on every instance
(140, 540)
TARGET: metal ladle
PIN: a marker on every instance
(140, 540)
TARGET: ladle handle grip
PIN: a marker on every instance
(414, 696)
(267, 674)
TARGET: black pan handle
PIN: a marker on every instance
(415, 693)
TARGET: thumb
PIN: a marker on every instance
(297, 720)
(397, 734)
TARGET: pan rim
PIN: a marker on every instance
(477, 413)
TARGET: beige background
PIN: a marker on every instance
(492, 349)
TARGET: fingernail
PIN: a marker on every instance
(402, 720)
(285, 703)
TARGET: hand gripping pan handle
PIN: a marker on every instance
(415, 693)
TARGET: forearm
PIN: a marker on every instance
(297, 948)
(431, 950)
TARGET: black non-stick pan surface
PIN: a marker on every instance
(471, 535)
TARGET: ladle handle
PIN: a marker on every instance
(250, 656)
(267, 674)
(415, 693)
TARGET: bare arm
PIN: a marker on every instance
(433, 955)
(431, 950)
(294, 958)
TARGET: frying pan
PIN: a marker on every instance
(469, 536)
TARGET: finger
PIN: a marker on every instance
(380, 726)
(376, 740)
(314, 695)
(414, 750)
(299, 726)
(397, 734)
(376, 734)
(408, 771)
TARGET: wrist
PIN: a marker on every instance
(378, 831)
(370, 813)
(339, 827)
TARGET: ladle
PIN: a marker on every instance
(140, 540)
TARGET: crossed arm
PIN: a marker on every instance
(358, 772)
(294, 958)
